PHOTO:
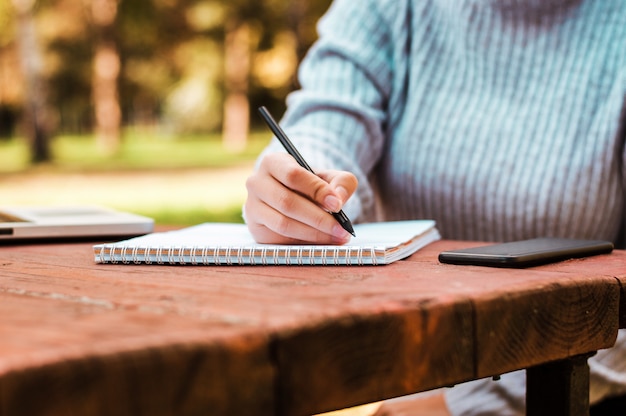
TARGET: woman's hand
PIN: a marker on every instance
(287, 204)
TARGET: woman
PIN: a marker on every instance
(501, 119)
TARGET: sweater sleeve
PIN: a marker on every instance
(337, 118)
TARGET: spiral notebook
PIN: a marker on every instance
(231, 244)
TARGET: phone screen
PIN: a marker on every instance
(526, 253)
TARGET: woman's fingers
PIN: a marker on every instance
(287, 204)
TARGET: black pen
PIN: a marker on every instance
(340, 216)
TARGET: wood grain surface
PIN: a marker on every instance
(83, 338)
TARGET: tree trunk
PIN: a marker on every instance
(36, 112)
(297, 14)
(236, 123)
(106, 71)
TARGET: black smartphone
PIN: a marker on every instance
(526, 253)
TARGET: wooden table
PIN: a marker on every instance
(78, 338)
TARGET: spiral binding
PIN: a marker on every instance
(229, 255)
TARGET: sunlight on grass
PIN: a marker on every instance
(138, 151)
(183, 181)
(170, 196)
(14, 155)
(191, 216)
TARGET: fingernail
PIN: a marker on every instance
(332, 203)
(342, 191)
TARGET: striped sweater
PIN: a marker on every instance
(500, 119)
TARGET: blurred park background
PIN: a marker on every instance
(143, 105)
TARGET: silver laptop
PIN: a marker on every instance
(67, 222)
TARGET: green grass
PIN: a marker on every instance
(190, 216)
(179, 181)
(138, 151)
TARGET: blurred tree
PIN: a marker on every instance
(106, 71)
(7, 15)
(264, 42)
(9, 72)
(288, 31)
(237, 51)
(66, 38)
(172, 63)
(184, 66)
(299, 23)
(37, 113)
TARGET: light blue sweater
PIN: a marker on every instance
(500, 119)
